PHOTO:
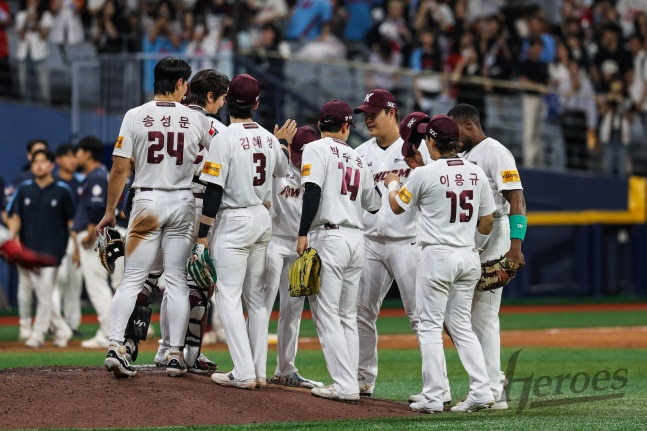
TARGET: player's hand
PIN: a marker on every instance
(287, 131)
(108, 220)
(302, 244)
(89, 240)
(515, 254)
(390, 177)
(204, 241)
(76, 260)
(414, 161)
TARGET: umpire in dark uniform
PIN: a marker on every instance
(41, 212)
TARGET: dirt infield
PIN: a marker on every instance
(74, 397)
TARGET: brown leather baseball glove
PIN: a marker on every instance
(497, 273)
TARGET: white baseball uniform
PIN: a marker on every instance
(164, 139)
(198, 193)
(347, 189)
(390, 253)
(287, 198)
(501, 170)
(242, 161)
(451, 195)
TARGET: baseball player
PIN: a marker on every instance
(163, 136)
(507, 235)
(281, 253)
(338, 188)
(238, 173)
(452, 196)
(43, 198)
(389, 244)
(90, 209)
(208, 89)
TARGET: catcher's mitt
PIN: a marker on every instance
(200, 267)
(304, 274)
(111, 246)
(497, 273)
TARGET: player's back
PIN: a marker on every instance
(164, 138)
(287, 200)
(453, 194)
(248, 158)
(345, 180)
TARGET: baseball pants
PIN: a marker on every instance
(159, 219)
(334, 309)
(444, 289)
(281, 254)
(70, 287)
(239, 252)
(384, 260)
(485, 308)
(96, 284)
(43, 284)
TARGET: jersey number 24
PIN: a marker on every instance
(155, 151)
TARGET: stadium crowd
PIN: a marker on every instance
(583, 61)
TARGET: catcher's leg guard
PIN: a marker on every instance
(140, 319)
(199, 301)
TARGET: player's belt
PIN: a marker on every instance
(198, 195)
(329, 226)
(148, 189)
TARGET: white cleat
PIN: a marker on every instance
(471, 405)
(228, 379)
(365, 388)
(329, 392)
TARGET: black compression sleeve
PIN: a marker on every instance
(311, 198)
(284, 142)
(210, 205)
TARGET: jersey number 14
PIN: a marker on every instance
(349, 180)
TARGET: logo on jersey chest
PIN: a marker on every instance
(290, 192)
(402, 173)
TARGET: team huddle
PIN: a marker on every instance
(403, 207)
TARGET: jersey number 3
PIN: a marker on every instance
(155, 154)
(349, 182)
(260, 162)
(464, 201)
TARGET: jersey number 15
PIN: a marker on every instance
(464, 200)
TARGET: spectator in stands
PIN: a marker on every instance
(307, 18)
(534, 78)
(268, 11)
(558, 70)
(537, 29)
(614, 131)
(578, 117)
(434, 14)
(42, 198)
(6, 84)
(609, 49)
(628, 10)
(200, 45)
(578, 51)
(326, 45)
(640, 25)
(395, 29)
(638, 83)
(359, 21)
(427, 58)
(495, 51)
(164, 37)
(67, 27)
(468, 68)
(384, 61)
(109, 27)
(269, 50)
(33, 25)
(67, 296)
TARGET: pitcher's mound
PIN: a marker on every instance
(90, 397)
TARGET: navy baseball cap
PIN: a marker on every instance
(243, 89)
(441, 128)
(336, 112)
(409, 131)
(377, 100)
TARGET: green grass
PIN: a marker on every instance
(400, 376)
(400, 325)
